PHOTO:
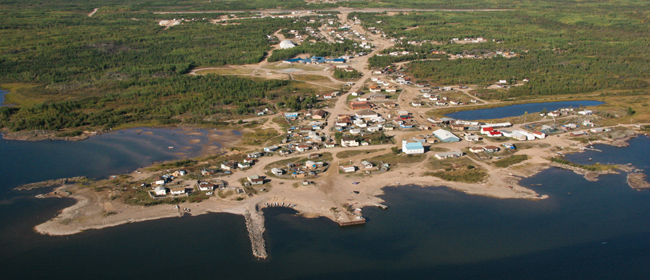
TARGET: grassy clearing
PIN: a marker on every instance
(312, 78)
(225, 71)
(505, 162)
(523, 146)
(437, 164)
(347, 154)
(464, 175)
(283, 163)
(593, 167)
(259, 137)
(395, 160)
(460, 169)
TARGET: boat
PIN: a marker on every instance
(170, 147)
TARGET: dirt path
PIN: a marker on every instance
(339, 9)
(93, 12)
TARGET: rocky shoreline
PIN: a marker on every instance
(591, 176)
(49, 183)
(40, 135)
(638, 181)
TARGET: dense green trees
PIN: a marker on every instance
(163, 101)
(343, 75)
(562, 49)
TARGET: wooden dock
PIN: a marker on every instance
(353, 223)
(380, 206)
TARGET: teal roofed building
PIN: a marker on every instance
(412, 148)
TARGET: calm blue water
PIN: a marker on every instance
(518, 110)
(97, 157)
(585, 230)
(2, 97)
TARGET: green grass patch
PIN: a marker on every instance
(593, 167)
(395, 160)
(464, 175)
(352, 153)
(505, 162)
(259, 137)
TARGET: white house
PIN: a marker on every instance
(367, 164)
(277, 171)
(476, 149)
(271, 149)
(177, 190)
(348, 168)
(449, 155)
(160, 190)
(205, 186)
(585, 112)
(160, 182)
(349, 142)
(255, 180)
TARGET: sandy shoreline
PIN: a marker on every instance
(96, 210)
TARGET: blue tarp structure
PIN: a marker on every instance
(316, 59)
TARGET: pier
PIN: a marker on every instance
(352, 223)
(380, 206)
(255, 227)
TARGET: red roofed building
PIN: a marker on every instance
(486, 130)
(495, 134)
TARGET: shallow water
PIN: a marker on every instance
(518, 110)
(2, 98)
(585, 230)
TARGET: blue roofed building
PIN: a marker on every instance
(412, 148)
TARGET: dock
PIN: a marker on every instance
(353, 223)
(380, 206)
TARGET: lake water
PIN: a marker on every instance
(96, 157)
(2, 98)
(585, 230)
(518, 110)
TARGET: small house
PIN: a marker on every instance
(348, 168)
(491, 149)
(349, 142)
(449, 155)
(160, 190)
(205, 186)
(271, 149)
(476, 149)
(255, 180)
(178, 190)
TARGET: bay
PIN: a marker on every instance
(585, 230)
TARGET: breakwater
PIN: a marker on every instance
(255, 227)
(49, 183)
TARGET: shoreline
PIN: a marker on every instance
(501, 184)
(98, 208)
